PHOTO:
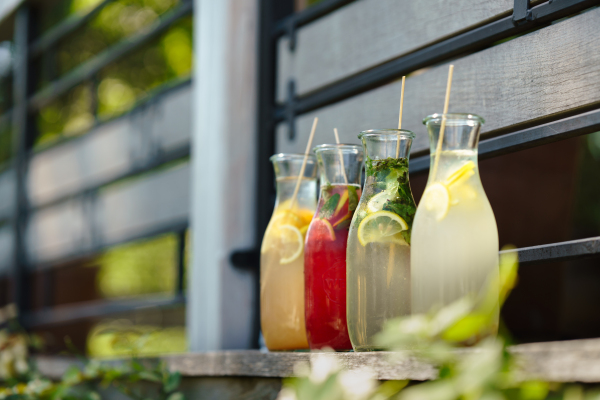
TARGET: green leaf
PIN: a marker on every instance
(534, 390)
(329, 207)
(469, 326)
(176, 396)
(72, 376)
(150, 376)
(352, 199)
(172, 382)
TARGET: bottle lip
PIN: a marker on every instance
(402, 133)
(291, 157)
(347, 147)
(454, 117)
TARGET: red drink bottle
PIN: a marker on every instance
(325, 248)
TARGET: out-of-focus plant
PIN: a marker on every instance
(88, 380)
(486, 370)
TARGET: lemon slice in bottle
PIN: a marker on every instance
(292, 244)
(378, 201)
(381, 227)
(463, 173)
(437, 200)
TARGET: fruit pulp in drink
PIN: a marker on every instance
(325, 267)
(282, 267)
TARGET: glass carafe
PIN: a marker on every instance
(340, 168)
(455, 238)
(282, 254)
(379, 242)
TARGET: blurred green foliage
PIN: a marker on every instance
(121, 85)
(587, 205)
(486, 371)
(122, 338)
(139, 268)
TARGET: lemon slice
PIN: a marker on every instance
(382, 227)
(437, 200)
(464, 172)
(292, 244)
(378, 201)
(322, 229)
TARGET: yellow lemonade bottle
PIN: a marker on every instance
(454, 238)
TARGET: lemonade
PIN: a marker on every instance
(379, 242)
(454, 238)
(282, 259)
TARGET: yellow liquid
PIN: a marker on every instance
(282, 284)
(457, 255)
(378, 281)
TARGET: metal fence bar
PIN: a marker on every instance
(90, 68)
(565, 128)
(21, 128)
(70, 25)
(96, 309)
(469, 41)
(564, 251)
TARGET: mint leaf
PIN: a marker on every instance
(329, 207)
(352, 199)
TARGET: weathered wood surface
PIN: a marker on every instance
(117, 213)
(369, 32)
(112, 149)
(535, 77)
(566, 361)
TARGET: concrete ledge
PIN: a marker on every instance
(566, 361)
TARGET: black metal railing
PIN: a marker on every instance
(26, 103)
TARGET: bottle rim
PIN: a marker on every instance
(347, 147)
(292, 157)
(454, 117)
(401, 133)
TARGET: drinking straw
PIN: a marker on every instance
(400, 116)
(438, 149)
(301, 175)
(337, 140)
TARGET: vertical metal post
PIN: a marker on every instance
(21, 127)
(270, 12)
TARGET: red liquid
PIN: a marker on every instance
(325, 268)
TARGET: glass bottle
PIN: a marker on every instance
(282, 254)
(379, 242)
(340, 168)
(455, 238)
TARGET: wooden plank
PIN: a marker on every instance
(367, 33)
(118, 213)
(112, 149)
(534, 78)
(565, 361)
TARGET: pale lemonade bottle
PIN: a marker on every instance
(379, 241)
(282, 254)
(454, 238)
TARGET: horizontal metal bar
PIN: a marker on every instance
(310, 14)
(581, 124)
(473, 40)
(97, 309)
(70, 25)
(564, 251)
(90, 68)
(172, 227)
(158, 160)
